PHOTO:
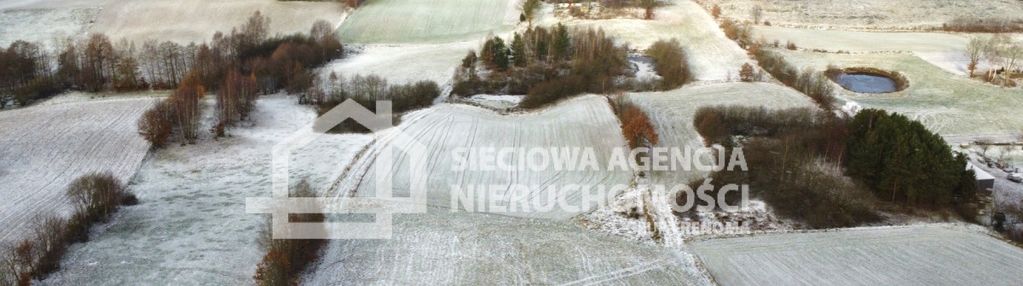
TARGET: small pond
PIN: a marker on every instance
(866, 82)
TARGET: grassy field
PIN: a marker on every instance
(870, 14)
(428, 21)
(948, 104)
(913, 255)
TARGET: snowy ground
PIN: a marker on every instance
(869, 14)
(946, 104)
(910, 255)
(712, 56)
(191, 226)
(181, 21)
(45, 147)
(428, 21)
(444, 248)
(434, 62)
(584, 122)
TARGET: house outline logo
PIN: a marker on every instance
(382, 204)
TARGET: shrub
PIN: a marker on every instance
(157, 123)
(287, 258)
(670, 63)
(636, 126)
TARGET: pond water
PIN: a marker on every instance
(866, 83)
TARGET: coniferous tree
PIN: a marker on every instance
(518, 51)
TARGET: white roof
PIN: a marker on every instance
(981, 174)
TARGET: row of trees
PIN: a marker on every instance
(238, 68)
(95, 197)
(367, 90)
(814, 84)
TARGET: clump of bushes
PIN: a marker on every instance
(740, 32)
(367, 90)
(814, 84)
(670, 63)
(546, 64)
(285, 259)
(95, 197)
(637, 127)
(794, 160)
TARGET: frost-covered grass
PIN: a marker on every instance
(947, 104)
(584, 122)
(912, 255)
(428, 21)
(44, 25)
(403, 63)
(445, 248)
(863, 41)
(162, 20)
(191, 226)
(712, 56)
(197, 20)
(45, 147)
(870, 14)
(945, 50)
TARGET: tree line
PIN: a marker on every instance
(237, 67)
(367, 90)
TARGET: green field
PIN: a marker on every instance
(948, 104)
(427, 21)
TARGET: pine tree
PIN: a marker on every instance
(518, 50)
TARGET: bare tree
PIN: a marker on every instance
(976, 50)
(757, 13)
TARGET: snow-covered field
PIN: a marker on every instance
(41, 25)
(191, 226)
(444, 248)
(946, 104)
(434, 62)
(712, 56)
(910, 255)
(584, 122)
(45, 147)
(174, 20)
(869, 14)
(428, 21)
